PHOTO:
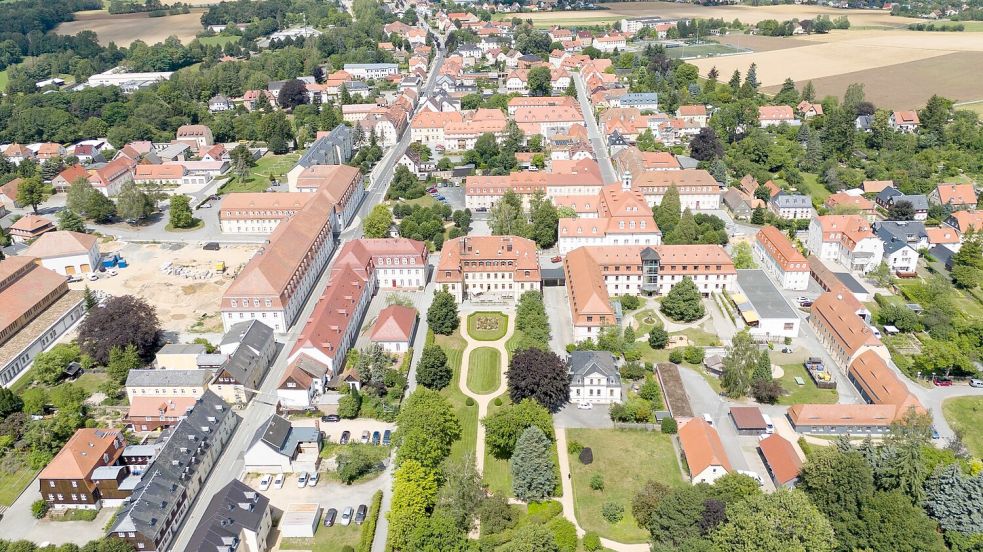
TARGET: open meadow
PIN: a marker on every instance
(126, 28)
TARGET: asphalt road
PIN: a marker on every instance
(596, 139)
(230, 464)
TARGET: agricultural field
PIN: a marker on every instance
(126, 28)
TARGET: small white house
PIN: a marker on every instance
(66, 252)
(704, 452)
(594, 378)
(394, 329)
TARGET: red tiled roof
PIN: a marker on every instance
(395, 323)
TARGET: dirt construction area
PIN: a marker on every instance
(126, 28)
(180, 280)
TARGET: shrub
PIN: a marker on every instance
(564, 534)
(767, 391)
(592, 542)
(612, 511)
(669, 426)
(630, 302)
(39, 508)
(469, 402)
(498, 401)
(586, 456)
(574, 446)
(693, 354)
(597, 482)
(347, 548)
(541, 512)
(368, 532)
(632, 371)
(676, 356)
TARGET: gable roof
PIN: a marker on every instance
(702, 446)
(83, 453)
(395, 323)
(956, 194)
(780, 455)
(61, 243)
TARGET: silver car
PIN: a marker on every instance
(346, 516)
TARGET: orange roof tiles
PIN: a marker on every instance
(159, 172)
(328, 324)
(687, 181)
(31, 224)
(880, 385)
(780, 455)
(779, 248)
(395, 323)
(842, 414)
(906, 117)
(942, 235)
(876, 186)
(143, 406)
(775, 113)
(25, 286)
(967, 220)
(488, 254)
(83, 453)
(702, 447)
(692, 111)
(842, 199)
(847, 329)
(956, 194)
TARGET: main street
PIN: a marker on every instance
(597, 140)
(230, 465)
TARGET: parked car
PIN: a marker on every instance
(440, 197)
(376, 437)
(360, 513)
(331, 418)
(976, 383)
(264, 482)
(432, 190)
(278, 481)
(330, 516)
(205, 206)
(935, 433)
(556, 259)
(346, 516)
(942, 382)
(345, 437)
(481, 210)
(386, 437)
(302, 480)
(708, 418)
(584, 405)
(365, 436)
(312, 480)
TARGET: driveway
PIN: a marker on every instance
(18, 523)
(572, 417)
(561, 326)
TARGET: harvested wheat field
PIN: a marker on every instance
(126, 28)
(747, 14)
(184, 291)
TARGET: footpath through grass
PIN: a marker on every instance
(965, 414)
(487, 326)
(484, 370)
(453, 346)
(624, 459)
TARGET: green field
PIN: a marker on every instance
(3, 80)
(487, 326)
(12, 484)
(625, 460)
(710, 49)
(326, 539)
(220, 40)
(484, 370)
(259, 176)
(811, 186)
(965, 414)
(453, 346)
(803, 394)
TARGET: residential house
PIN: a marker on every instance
(903, 121)
(110, 178)
(67, 177)
(488, 269)
(250, 348)
(844, 203)
(844, 334)
(876, 186)
(8, 193)
(847, 240)
(902, 241)
(774, 115)
(237, 519)
(329, 148)
(394, 329)
(704, 452)
(397, 263)
(16, 153)
(696, 114)
(955, 196)
(890, 196)
(282, 447)
(29, 227)
(791, 206)
(809, 110)
(66, 482)
(416, 165)
(966, 221)
(644, 101)
(198, 136)
(65, 252)
(302, 384)
(594, 378)
(220, 103)
(781, 259)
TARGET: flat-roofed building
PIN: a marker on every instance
(763, 307)
(781, 259)
(492, 269)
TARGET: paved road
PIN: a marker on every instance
(597, 140)
(230, 464)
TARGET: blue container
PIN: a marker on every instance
(122, 264)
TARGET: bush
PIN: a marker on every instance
(586, 456)
(693, 354)
(767, 391)
(658, 338)
(349, 405)
(669, 426)
(469, 402)
(498, 401)
(564, 534)
(630, 302)
(574, 446)
(612, 511)
(597, 482)
(347, 548)
(592, 542)
(541, 512)
(39, 508)
(632, 371)
(676, 356)
(368, 532)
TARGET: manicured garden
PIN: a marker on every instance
(453, 346)
(616, 453)
(484, 370)
(487, 326)
(965, 414)
(259, 176)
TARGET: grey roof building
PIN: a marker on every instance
(168, 378)
(182, 349)
(254, 334)
(236, 515)
(890, 195)
(641, 100)
(285, 438)
(151, 519)
(792, 201)
(594, 377)
(911, 233)
(333, 149)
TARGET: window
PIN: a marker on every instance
(75, 484)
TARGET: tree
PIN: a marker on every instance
(658, 337)
(683, 303)
(784, 520)
(292, 93)
(743, 258)
(955, 500)
(809, 92)
(788, 95)
(378, 223)
(767, 391)
(495, 514)
(442, 315)
(32, 192)
(881, 275)
(935, 115)
(533, 476)
(668, 212)
(539, 81)
(242, 161)
(838, 483)
(705, 146)
(646, 501)
(426, 427)
(540, 375)
(544, 219)
(133, 204)
(89, 202)
(740, 363)
(901, 210)
(68, 220)
(355, 461)
(9, 402)
(49, 366)
(121, 361)
(276, 131)
(531, 319)
(414, 494)
(461, 492)
(121, 321)
(507, 217)
(350, 404)
(437, 532)
(531, 538)
(433, 371)
(892, 522)
(35, 399)
(967, 263)
(505, 425)
(758, 216)
(181, 216)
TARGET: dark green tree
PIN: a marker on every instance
(68, 220)
(433, 371)
(533, 476)
(683, 303)
(180, 212)
(442, 315)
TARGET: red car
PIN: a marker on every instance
(556, 259)
(942, 382)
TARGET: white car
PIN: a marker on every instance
(584, 405)
(312, 481)
(346, 516)
(278, 481)
(264, 482)
(302, 480)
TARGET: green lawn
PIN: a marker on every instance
(487, 326)
(513, 343)
(426, 200)
(259, 176)
(497, 475)
(3, 80)
(811, 186)
(453, 346)
(966, 414)
(646, 320)
(625, 460)
(220, 40)
(699, 337)
(326, 539)
(803, 394)
(484, 372)
(13, 484)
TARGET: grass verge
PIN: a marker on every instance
(484, 370)
(965, 414)
(454, 346)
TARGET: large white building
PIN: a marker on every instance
(371, 70)
(847, 240)
(781, 259)
(622, 217)
(698, 191)
(594, 378)
(490, 269)
(66, 252)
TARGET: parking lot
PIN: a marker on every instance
(333, 430)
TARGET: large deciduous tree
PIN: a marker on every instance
(89, 202)
(433, 371)
(292, 94)
(503, 428)
(121, 321)
(705, 146)
(533, 476)
(784, 520)
(683, 303)
(132, 203)
(180, 216)
(539, 81)
(378, 223)
(532, 538)
(540, 375)
(442, 315)
(32, 192)
(414, 494)
(740, 363)
(461, 493)
(426, 427)
(68, 220)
